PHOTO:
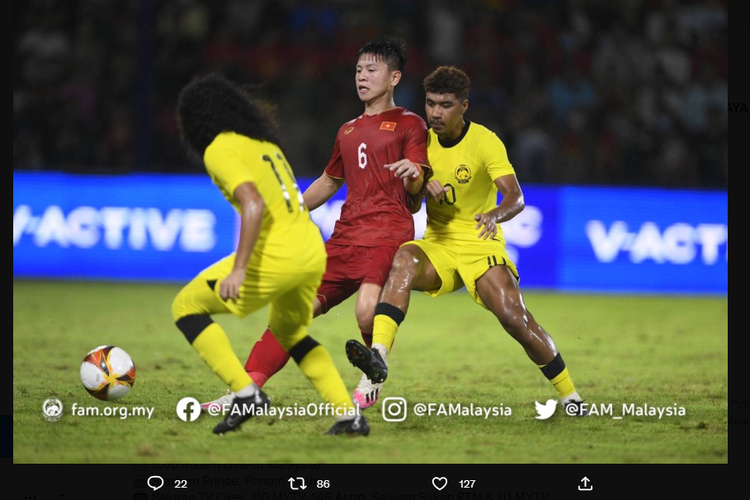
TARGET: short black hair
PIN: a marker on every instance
(212, 104)
(390, 49)
(448, 80)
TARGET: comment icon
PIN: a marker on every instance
(155, 482)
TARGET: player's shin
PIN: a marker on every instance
(315, 362)
(557, 373)
(385, 325)
(213, 346)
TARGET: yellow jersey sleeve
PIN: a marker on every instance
(495, 156)
(226, 165)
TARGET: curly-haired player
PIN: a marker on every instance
(280, 257)
(381, 156)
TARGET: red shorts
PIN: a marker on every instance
(348, 267)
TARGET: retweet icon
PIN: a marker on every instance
(545, 410)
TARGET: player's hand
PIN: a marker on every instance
(404, 169)
(435, 190)
(229, 288)
(490, 226)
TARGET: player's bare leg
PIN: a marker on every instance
(367, 392)
(499, 291)
(410, 269)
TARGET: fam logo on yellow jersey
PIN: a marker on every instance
(462, 174)
(348, 131)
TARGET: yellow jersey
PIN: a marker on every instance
(468, 167)
(287, 233)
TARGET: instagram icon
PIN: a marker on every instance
(394, 409)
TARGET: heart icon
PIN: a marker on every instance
(439, 483)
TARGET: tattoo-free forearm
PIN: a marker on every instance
(321, 190)
(251, 221)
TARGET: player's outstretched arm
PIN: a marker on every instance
(321, 191)
(511, 205)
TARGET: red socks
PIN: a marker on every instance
(367, 338)
(266, 358)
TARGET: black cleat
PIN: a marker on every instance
(242, 409)
(358, 426)
(367, 360)
(575, 408)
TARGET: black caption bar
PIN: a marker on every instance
(367, 481)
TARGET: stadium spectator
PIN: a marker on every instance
(568, 92)
(299, 50)
(707, 92)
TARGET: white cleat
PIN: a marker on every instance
(366, 394)
(219, 403)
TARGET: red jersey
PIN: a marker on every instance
(376, 209)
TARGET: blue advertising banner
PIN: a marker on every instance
(643, 240)
(169, 227)
(134, 227)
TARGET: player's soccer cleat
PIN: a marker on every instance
(366, 394)
(367, 360)
(358, 426)
(241, 410)
(220, 403)
(575, 408)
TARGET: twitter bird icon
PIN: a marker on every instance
(545, 410)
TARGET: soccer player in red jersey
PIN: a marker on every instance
(382, 157)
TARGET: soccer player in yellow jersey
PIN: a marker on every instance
(375, 218)
(463, 244)
(280, 257)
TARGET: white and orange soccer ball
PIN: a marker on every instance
(107, 372)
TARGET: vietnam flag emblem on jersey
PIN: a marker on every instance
(388, 126)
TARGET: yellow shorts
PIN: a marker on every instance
(462, 263)
(289, 292)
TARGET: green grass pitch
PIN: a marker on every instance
(668, 352)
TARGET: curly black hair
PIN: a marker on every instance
(448, 80)
(212, 104)
(390, 49)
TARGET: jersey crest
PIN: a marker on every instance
(388, 126)
(462, 174)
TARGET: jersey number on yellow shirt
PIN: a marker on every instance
(284, 189)
(450, 196)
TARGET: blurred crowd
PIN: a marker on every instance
(621, 92)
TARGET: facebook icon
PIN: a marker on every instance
(188, 409)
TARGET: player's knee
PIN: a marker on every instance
(364, 310)
(365, 318)
(288, 333)
(193, 325)
(405, 263)
(190, 321)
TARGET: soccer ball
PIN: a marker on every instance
(107, 372)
